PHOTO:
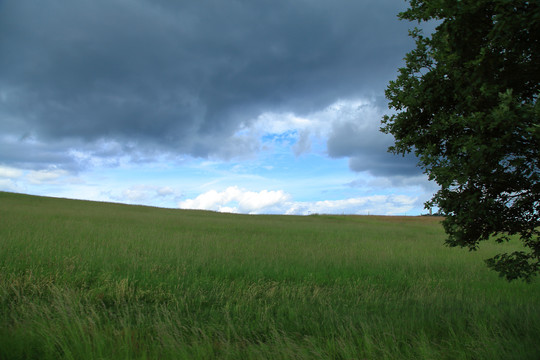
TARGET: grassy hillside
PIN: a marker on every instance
(88, 280)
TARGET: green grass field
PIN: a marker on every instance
(88, 280)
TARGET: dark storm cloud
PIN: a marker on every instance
(36, 156)
(182, 76)
(360, 140)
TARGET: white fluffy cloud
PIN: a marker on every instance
(45, 176)
(374, 205)
(9, 172)
(237, 200)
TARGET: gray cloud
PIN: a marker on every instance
(358, 137)
(181, 77)
(26, 153)
(385, 164)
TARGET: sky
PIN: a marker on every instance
(243, 106)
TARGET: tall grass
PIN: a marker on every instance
(87, 280)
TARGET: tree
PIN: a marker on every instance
(467, 105)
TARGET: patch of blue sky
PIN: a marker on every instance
(285, 138)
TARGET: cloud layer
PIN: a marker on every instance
(181, 77)
(260, 106)
(237, 200)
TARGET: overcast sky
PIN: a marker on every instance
(251, 106)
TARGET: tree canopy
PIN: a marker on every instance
(467, 105)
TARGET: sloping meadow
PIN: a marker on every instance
(89, 280)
